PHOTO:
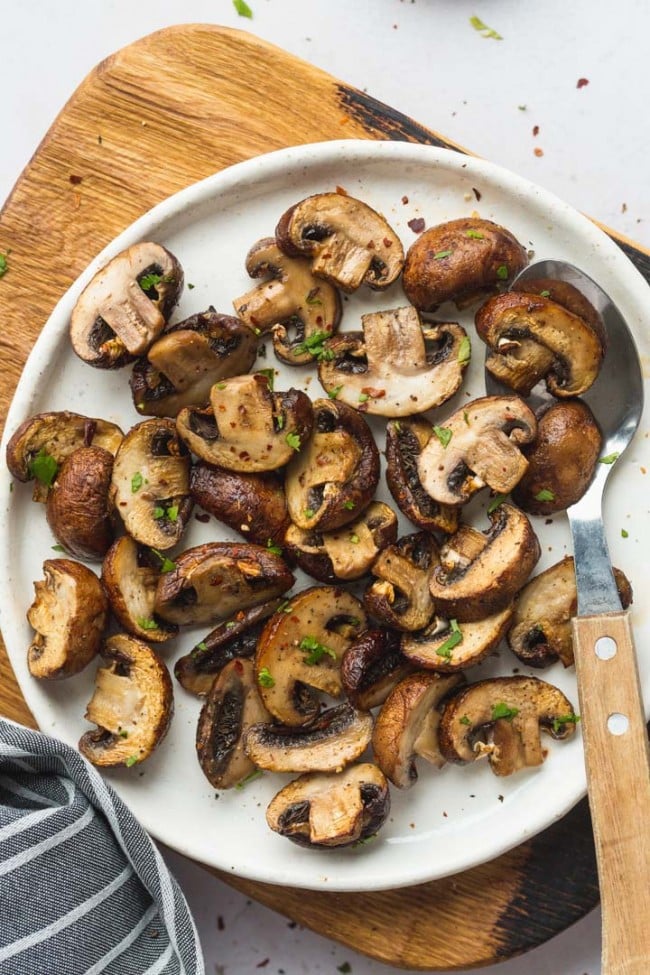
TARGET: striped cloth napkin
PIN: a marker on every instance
(82, 887)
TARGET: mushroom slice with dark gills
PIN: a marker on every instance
(78, 508)
(252, 504)
(41, 444)
(331, 810)
(372, 666)
(540, 632)
(213, 581)
(531, 338)
(132, 704)
(234, 637)
(336, 738)
(69, 615)
(502, 718)
(125, 306)
(333, 478)
(230, 709)
(289, 297)
(567, 295)
(346, 553)
(405, 440)
(130, 574)
(248, 427)
(407, 726)
(398, 366)
(400, 595)
(460, 261)
(151, 484)
(446, 646)
(476, 446)
(182, 366)
(348, 242)
(300, 650)
(479, 573)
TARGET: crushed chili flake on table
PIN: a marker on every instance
(538, 151)
(417, 225)
(477, 193)
(536, 130)
(582, 82)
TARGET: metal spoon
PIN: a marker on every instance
(617, 756)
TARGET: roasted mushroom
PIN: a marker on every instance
(230, 709)
(213, 581)
(69, 615)
(398, 366)
(335, 739)
(460, 261)
(323, 810)
(124, 308)
(407, 726)
(349, 243)
(248, 427)
(562, 459)
(151, 484)
(501, 718)
(182, 366)
(300, 651)
(78, 508)
(290, 296)
(371, 667)
(446, 646)
(565, 294)
(252, 504)
(405, 440)
(531, 338)
(132, 704)
(540, 632)
(400, 595)
(130, 574)
(478, 445)
(41, 444)
(334, 476)
(480, 572)
(347, 553)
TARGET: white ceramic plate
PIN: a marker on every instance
(454, 818)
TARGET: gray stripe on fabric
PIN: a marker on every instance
(10, 785)
(125, 943)
(22, 823)
(20, 859)
(161, 964)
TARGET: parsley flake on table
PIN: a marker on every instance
(249, 778)
(43, 467)
(242, 8)
(4, 265)
(484, 30)
(609, 458)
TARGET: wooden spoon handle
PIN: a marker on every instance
(617, 759)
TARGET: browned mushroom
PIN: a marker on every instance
(78, 509)
(400, 596)
(124, 308)
(130, 574)
(565, 294)
(372, 666)
(446, 646)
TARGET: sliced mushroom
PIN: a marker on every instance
(325, 810)
(230, 709)
(333, 478)
(213, 581)
(407, 726)
(349, 243)
(69, 615)
(234, 637)
(248, 428)
(501, 718)
(290, 295)
(252, 504)
(460, 261)
(405, 440)
(400, 597)
(446, 646)
(151, 484)
(335, 739)
(78, 508)
(300, 649)
(478, 445)
(540, 632)
(124, 308)
(132, 704)
(531, 338)
(371, 668)
(565, 294)
(182, 366)
(398, 366)
(480, 572)
(41, 444)
(347, 553)
(562, 459)
(130, 574)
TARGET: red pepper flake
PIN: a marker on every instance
(405, 200)
(342, 192)
(387, 242)
(538, 152)
(373, 393)
(477, 193)
(535, 129)
(263, 963)
(75, 180)
(204, 518)
(582, 82)
(417, 225)
(344, 120)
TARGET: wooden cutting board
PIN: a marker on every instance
(160, 114)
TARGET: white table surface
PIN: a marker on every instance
(424, 58)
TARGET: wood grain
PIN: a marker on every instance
(153, 118)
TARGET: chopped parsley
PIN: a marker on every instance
(136, 482)
(444, 435)
(293, 441)
(124, 733)
(166, 565)
(496, 502)
(624, 533)
(265, 678)
(270, 376)
(466, 417)
(454, 638)
(200, 647)
(58, 548)
(272, 547)
(545, 495)
(464, 720)
(464, 349)
(562, 719)
(334, 392)
(545, 294)
(43, 467)
(309, 513)
(485, 31)
(501, 710)
(609, 458)
(349, 505)
(220, 385)
(354, 538)
(158, 512)
(149, 281)
(438, 256)
(363, 397)
(146, 624)
(285, 607)
(312, 298)
(131, 760)
(475, 235)
(502, 272)
(249, 778)
(242, 8)
(4, 265)
(190, 287)
(315, 650)
(313, 345)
